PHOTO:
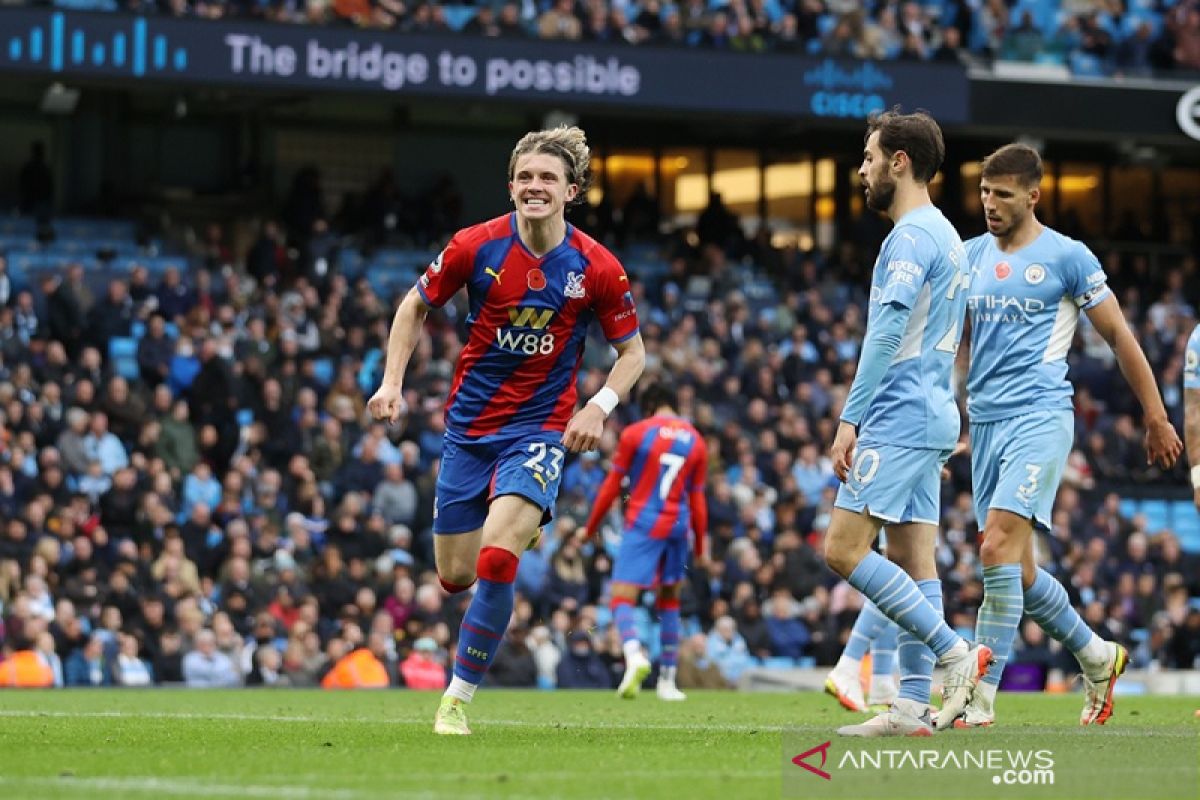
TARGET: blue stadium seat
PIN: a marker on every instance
(245, 417)
(1189, 541)
(1084, 65)
(458, 16)
(90, 228)
(138, 329)
(323, 370)
(1157, 515)
(350, 261)
(366, 373)
(155, 264)
(17, 242)
(56, 262)
(122, 354)
(779, 662)
(1128, 507)
(182, 372)
(18, 226)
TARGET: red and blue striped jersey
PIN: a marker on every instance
(527, 325)
(666, 461)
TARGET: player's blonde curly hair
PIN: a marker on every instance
(569, 144)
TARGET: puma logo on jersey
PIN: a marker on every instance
(495, 275)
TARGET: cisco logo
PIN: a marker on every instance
(847, 92)
(56, 47)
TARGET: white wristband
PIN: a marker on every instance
(1196, 477)
(606, 399)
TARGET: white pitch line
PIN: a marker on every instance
(160, 787)
(693, 727)
(184, 786)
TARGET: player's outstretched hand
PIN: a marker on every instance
(585, 429)
(387, 404)
(842, 452)
(1163, 446)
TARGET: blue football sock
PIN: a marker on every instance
(866, 627)
(916, 659)
(999, 615)
(897, 596)
(883, 650)
(622, 613)
(668, 621)
(1046, 602)
(488, 615)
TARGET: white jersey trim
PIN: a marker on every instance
(1063, 333)
(914, 332)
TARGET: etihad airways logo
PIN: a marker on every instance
(1003, 308)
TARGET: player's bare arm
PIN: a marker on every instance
(1191, 430)
(1163, 446)
(585, 428)
(388, 402)
(842, 450)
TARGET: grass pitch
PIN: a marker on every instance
(346, 746)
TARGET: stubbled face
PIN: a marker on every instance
(539, 187)
(1007, 202)
(875, 173)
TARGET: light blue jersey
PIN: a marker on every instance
(922, 267)
(1191, 361)
(1024, 308)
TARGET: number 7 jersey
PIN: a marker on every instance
(666, 461)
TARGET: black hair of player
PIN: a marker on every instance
(917, 134)
(656, 395)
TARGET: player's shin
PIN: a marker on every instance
(898, 597)
(996, 626)
(916, 659)
(1046, 602)
(622, 611)
(486, 620)
(669, 624)
(883, 666)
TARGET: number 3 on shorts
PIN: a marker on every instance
(866, 466)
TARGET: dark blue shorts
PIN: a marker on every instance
(472, 475)
(647, 562)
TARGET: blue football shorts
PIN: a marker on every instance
(894, 483)
(647, 562)
(1017, 463)
(472, 475)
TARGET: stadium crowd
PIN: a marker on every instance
(1092, 37)
(228, 515)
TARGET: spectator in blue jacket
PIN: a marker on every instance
(581, 667)
(728, 649)
(789, 635)
(206, 666)
(87, 665)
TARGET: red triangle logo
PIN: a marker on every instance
(823, 749)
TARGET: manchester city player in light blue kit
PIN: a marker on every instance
(1028, 287)
(1191, 408)
(900, 422)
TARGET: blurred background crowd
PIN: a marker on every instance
(1131, 38)
(191, 491)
